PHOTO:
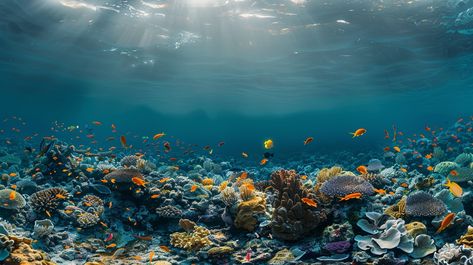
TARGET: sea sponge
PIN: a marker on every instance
(344, 185)
(229, 196)
(123, 175)
(397, 210)
(423, 204)
(467, 239)
(169, 211)
(48, 199)
(416, 228)
(246, 211)
(5, 202)
(291, 218)
(86, 219)
(93, 204)
(191, 241)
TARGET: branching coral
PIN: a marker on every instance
(7, 203)
(292, 218)
(191, 241)
(93, 204)
(466, 239)
(423, 204)
(86, 219)
(48, 199)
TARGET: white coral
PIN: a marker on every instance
(447, 253)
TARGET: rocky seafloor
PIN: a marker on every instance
(64, 205)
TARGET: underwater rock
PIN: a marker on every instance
(129, 161)
(42, 228)
(101, 189)
(291, 218)
(26, 186)
(333, 258)
(247, 212)
(423, 204)
(341, 186)
(10, 159)
(5, 202)
(48, 199)
(219, 252)
(22, 253)
(338, 246)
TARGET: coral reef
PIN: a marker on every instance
(194, 240)
(343, 185)
(423, 204)
(48, 199)
(6, 202)
(246, 212)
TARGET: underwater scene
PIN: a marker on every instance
(165, 132)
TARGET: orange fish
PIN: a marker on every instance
(362, 169)
(350, 196)
(428, 156)
(223, 185)
(111, 245)
(263, 161)
(454, 188)
(243, 175)
(309, 202)
(308, 140)
(454, 173)
(165, 249)
(193, 188)
(427, 128)
(12, 174)
(98, 123)
(404, 185)
(151, 255)
(380, 191)
(89, 169)
(403, 169)
(154, 196)
(386, 134)
(430, 168)
(446, 222)
(164, 180)
(158, 135)
(397, 149)
(358, 132)
(304, 177)
(104, 181)
(123, 141)
(138, 181)
(12, 195)
(60, 196)
(386, 149)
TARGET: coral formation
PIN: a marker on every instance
(191, 241)
(48, 199)
(343, 185)
(247, 211)
(466, 239)
(8, 203)
(423, 204)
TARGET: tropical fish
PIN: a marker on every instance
(358, 132)
(193, 188)
(12, 174)
(220, 144)
(243, 175)
(403, 169)
(158, 135)
(12, 195)
(446, 222)
(151, 255)
(362, 169)
(123, 141)
(60, 196)
(223, 185)
(309, 202)
(138, 181)
(386, 134)
(430, 168)
(454, 188)
(397, 149)
(165, 249)
(428, 156)
(111, 245)
(167, 147)
(350, 196)
(109, 237)
(380, 191)
(98, 123)
(164, 180)
(454, 173)
(89, 169)
(244, 155)
(263, 161)
(248, 255)
(154, 196)
(308, 140)
(268, 144)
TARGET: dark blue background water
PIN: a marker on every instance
(238, 72)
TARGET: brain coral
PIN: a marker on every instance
(343, 185)
(48, 199)
(423, 204)
(5, 202)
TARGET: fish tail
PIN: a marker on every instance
(439, 230)
(353, 134)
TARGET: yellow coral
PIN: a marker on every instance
(245, 217)
(246, 192)
(229, 196)
(327, 173)
(416, 228)
(22, 253)
(207, 182)
(397, 210)
(467, 239)
(191, 241)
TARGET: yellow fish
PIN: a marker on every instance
(454, 188)
(268, 144)
(158, 135)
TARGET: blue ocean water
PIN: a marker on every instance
(238, 71)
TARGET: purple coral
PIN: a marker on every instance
(344, 185)
(338, 246)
